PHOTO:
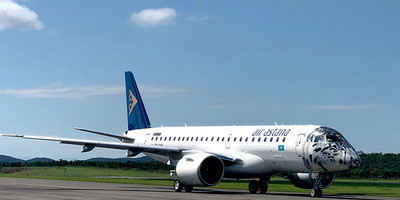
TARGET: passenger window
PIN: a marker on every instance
(191, 139)
(284, 139)
(246, 139)
(229, 139)
(165, 139)
(206, 139)
(240, 140)
(222, 139)
(179, 138)
(259, 139)
(277, 139)
(174, 138)
(217, 139)
(271, 139)
(253, 139)
(170, 138)
(201, 139)
(234, 139)
(265, 139)
(212, 139)
(152, 138)
(197, 138)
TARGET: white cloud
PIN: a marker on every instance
(61, 90)
(337, 107)
(199, 19)
(18, 16)
(154, 17)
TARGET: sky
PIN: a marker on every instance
(332, 63)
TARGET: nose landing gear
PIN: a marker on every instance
(316, 192)
(319, 182)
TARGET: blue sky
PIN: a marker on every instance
(333, 63)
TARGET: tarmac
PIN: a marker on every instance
(22, 188)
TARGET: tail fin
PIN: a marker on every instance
(137, 115)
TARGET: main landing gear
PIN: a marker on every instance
(179, 186)
(260, 186)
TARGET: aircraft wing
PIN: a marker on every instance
(89, 145)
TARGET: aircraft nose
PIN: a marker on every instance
(352, 159)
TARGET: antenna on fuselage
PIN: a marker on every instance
(276, 124)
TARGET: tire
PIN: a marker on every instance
(188, 188)
(178, 186)
(253, 186)
(319, 192)
(316, 192)
(263, 186)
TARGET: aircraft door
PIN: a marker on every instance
(301, 140)
(147, 138)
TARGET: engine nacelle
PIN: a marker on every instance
(307, 181)
(200, 169)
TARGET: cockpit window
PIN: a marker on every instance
(319, 138)
(327, 135)
(332, 138)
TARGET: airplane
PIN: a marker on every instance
(310, 155)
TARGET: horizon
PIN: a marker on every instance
(197, 63)
(135, 157)
(27, 159)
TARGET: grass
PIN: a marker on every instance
(382, 188)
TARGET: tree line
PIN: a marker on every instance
(376, 166)
(153, 165)
(373, 166)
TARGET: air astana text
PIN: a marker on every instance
(271, 132)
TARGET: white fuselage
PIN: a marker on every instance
(256, 149)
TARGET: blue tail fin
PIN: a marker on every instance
(137, 115)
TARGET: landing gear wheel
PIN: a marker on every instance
(316, 192)
(263, 186)
(253, 186)
(188, 188)
(178, 186)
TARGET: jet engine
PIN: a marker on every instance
(200, 169)
(308, 181)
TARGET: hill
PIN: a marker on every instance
(9, 159)
(39, 160)
(141, 159)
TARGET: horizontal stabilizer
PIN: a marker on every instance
(122, 138)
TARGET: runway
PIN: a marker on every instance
(21, 188)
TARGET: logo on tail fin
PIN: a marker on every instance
(132, 101)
